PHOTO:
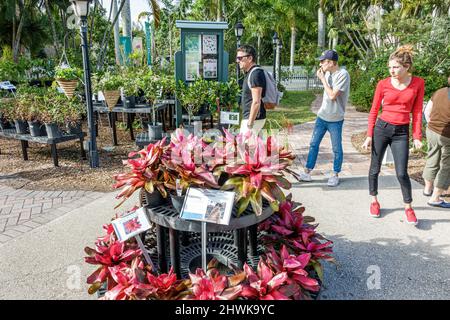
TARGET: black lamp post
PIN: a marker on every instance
(238, 31)
(275, 42)
(81, 8)
(280, 46)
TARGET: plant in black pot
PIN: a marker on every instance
(192, 97)
(73, 113)
(7, 106)
(130, 87)
(145, 172)
(183, 167)
(50, 107)
(151, 85)
(32, 101)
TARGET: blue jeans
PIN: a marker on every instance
(335, 130)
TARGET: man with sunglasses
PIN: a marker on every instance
(253, 111)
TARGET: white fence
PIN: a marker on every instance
(299, 79)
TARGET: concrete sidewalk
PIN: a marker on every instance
(378, 258)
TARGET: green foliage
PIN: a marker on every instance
(67, 73)
(110, 80)
(193, 95)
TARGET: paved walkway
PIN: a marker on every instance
(23, 210)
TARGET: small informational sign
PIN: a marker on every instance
(131, 225)
(210, 68)
(6, 85)
(209, 44)
(229, 117)
(212, 206)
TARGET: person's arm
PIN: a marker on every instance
(331, 93)
(427, 110)
(417, 113)
(256, 104)
(376, 103)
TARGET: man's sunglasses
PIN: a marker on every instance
(241, 57)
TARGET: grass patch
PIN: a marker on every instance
(295, 108)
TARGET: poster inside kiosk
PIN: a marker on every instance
(212, 206)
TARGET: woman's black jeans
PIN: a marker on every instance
(398, 138)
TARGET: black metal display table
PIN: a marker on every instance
(25, 138)
(161, 107)
(228, 243)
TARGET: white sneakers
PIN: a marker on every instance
(305, 177)
(333, 181)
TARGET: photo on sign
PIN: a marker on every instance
(209, 44)
(192, 43)
(213, 206)
(209, 68)
(131, 224)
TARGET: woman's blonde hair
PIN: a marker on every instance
(404, 56)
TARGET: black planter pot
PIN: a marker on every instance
(37, 129)
(21, 126)
(154, 199)
(74, 128)
(53, 131)
(177, 202)
(155, 132)
(130, 102)
(5, 124)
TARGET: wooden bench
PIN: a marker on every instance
(25, 138)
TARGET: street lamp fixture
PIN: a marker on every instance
(275, 41)
(238, 31)
(81, 8)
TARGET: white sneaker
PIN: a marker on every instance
(333, 181)
(305, 177)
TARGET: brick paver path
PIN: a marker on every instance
(355, 163)
(23, 210)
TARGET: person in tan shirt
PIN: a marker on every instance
(437, 167)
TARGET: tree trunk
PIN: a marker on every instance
(52, 25)
(335, 41)
(126, 19)
(321, 29)
(116, 33)
(293, 36)
(259, 49)
(16, 46)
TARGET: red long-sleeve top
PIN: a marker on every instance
(398, 104)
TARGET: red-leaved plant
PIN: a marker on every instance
(288, 226)
(145, 171)
(256, 172)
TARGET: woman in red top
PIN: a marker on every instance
(399, 95)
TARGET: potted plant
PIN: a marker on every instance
(50, 113)
(192, 96)
(151, 86)
(255, 171)
(67, 78)
(72, 114)
(130, 87)
(145, 172)
(110, 85)
(7, 106)
(181, 167)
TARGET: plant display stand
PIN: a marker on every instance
(228, 243)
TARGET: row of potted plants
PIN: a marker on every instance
(42, 111)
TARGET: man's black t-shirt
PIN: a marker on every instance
(258, 79)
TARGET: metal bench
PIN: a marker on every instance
(25, 138)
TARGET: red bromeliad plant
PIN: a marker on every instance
(108, 252)
(145, 171)
(264, 284)
(185, 162)
(214, 286)
(288, 226)
(257, 172)
(294, 266)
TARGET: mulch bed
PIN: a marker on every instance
(73, 173)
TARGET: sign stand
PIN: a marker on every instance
(144, 252)
(204, 244)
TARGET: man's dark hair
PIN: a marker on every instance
(248, 50)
